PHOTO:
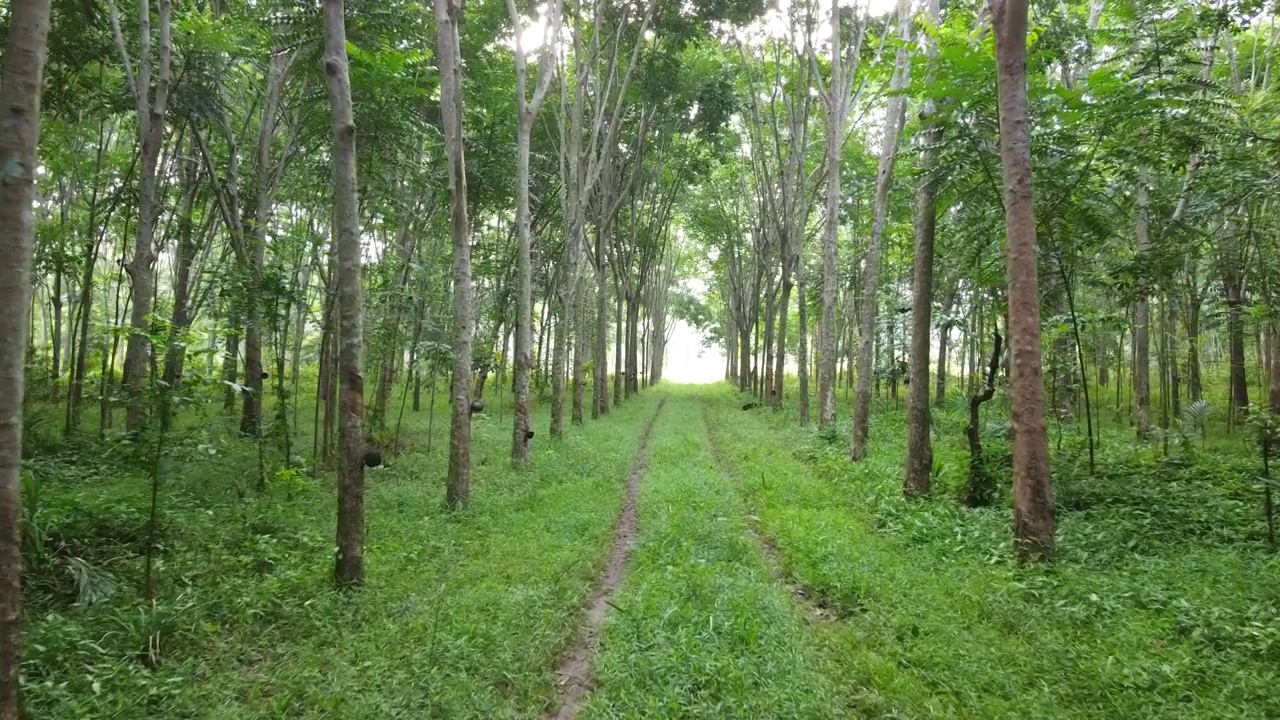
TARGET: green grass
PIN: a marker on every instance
(1162, 602)
(1160, 605)
(462, 617)
(700, 629)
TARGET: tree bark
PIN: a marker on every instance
(151, 127)
(527, 111)
(349, 567)
(458, 491)
(919, 444)
(20, 81)
(1033, 526)
(1274, 391)
(1142, 317)
(837, 115)
(895, 115)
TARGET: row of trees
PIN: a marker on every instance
(1150, 131)
(183, 251)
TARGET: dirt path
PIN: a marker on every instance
(574, 672)
(815, 609)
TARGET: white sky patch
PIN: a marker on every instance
(687, 360)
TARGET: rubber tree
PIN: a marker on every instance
(527, 112)
(919, 445)
(1033, 514)
(458, 489)
(152, 106)
(349, 568)
(895, 116)
(20, 81)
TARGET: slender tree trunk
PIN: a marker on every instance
(784, 310)
(75, 394)
(894, 118)
(802, 342)
(392, 353)
(151, 129)
(580, 348)
(527, 112)
(1235, 342)
(1274, 394)
(836, 117)
(349, 568)
(231, 359)
(617, 345)
(1142, 318)
(183, 259)
(55, 297)
(458, 492)
(600, 360)
(919, 443)
(1033, 526)
(632, 380)
(770, 312)
(20, 82)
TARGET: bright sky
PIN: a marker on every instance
(687, 361)
(773, 23)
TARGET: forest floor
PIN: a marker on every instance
(682, 558)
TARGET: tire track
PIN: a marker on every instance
(816, 610)
(574, 673)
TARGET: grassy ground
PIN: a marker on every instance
(1162, 603)
(461, 618)
(701, 630)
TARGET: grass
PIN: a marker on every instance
(462, 617)
(701, 630)
(1162, 602)
(1158, 606)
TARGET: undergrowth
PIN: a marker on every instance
(1158, 604)
(462, 616)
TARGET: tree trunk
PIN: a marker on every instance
(447, 14)
(802, 342)
(522, 424)
(631, 382)
(784, 309)
(580, 348)
(527, 112)
(349, 567)
(1032, 490)
(919, 443)
(75, 394)
(770, 313)
(836, 117)
(600, 360)
(231, 360)
(391, 351)
(1274, 394)
(1142, 318)
(1235, 341)
(141, 269)
(617, 345)
(20, 82)
(895, 115)
(184, 256)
